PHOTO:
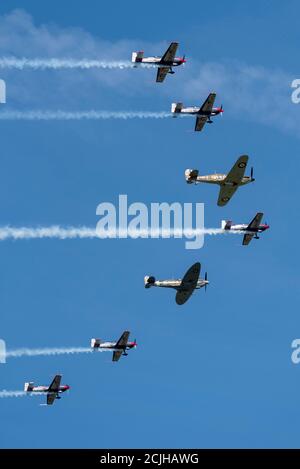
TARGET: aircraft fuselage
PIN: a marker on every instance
(196, 111)
(218, 179)
(176, 283)
(244, 227)
(157, 61)
(46, 389)
(113, 345)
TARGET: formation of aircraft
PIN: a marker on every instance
(251, 230)
(203, 113)
(184, 287)
(119, 347)
(228, 183)
(53, 391)
(164, 63)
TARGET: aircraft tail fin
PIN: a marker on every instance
(176, 108)
(137, 56)
(95, 343)
(28, 386)
(149, 281)
(226, 225)
(191, 175)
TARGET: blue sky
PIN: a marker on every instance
(216, 372)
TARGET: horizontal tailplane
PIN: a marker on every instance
(149, 281)
(137, 56)
(191, 175)
(226, 225)
(176, 108)
(28, 387)
(95, 343)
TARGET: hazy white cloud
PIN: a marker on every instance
(248, 92)
(21, 38)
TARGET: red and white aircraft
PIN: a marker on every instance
(250, 230)
(203, 113)
(118, 347)
(164, 63)
(52, 391)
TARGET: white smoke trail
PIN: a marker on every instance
(84, 232)
(59, 64)
(41, 115)
(5, 393)
(58, 232)
(26, 352)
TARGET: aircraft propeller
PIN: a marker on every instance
(205, 278)
(251, 174)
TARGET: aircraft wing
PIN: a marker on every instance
(208, 103)
(51, 396)
(232, 180)
(247, 238)
(254, 224)
(161, 74)
(170, 53)
(117, 355)
(192, 275)
(200, 122)
(122, 342)
(182, 296)
(54, 386)
(225, 194)
(188, 283)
